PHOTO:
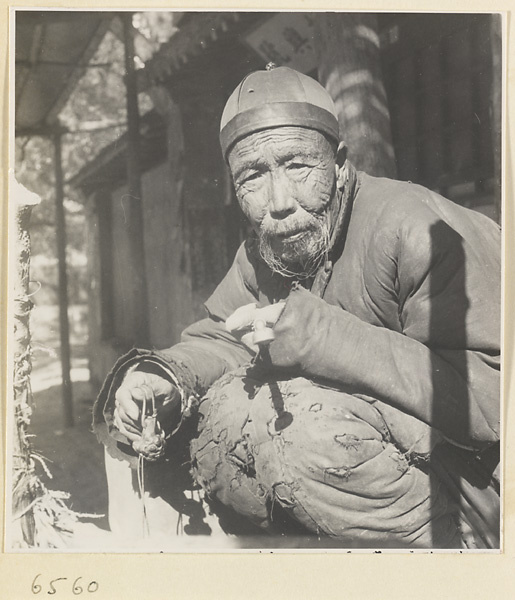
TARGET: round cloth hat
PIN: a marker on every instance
(277, 97)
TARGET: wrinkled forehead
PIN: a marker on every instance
(280, 142)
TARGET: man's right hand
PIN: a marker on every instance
(137, 387)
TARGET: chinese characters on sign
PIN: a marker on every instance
(286, 40)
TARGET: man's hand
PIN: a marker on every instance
(137, 387)
(245, 320)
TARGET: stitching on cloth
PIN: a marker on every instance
(343, 472)
(318, 522)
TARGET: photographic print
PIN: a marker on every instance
(255, 281)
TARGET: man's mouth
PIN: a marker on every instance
(293, 235)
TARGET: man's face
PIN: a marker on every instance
(285, 182)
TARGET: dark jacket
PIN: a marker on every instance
(410, 315)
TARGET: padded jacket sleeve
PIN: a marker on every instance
(206, 350)
(443, 366)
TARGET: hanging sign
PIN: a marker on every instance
(286, 39)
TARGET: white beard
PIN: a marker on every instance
(300, 257)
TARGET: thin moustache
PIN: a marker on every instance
(286, 229)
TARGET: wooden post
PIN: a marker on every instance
(134, 203)
(64, 328)
(347, 46)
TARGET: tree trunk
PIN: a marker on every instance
(24, 494)
(349, 66)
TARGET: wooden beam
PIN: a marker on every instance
(135, 200)
(64, 328)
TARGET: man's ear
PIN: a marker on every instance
(341, 154)
(341, 157)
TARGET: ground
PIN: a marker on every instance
(74, 457)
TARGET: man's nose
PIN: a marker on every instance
(282, 199)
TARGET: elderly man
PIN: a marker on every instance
(345, 383)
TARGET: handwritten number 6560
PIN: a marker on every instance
(76, 588)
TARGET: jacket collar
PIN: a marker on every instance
(348, 185)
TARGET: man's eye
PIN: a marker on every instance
(295, 166)
(251, 177)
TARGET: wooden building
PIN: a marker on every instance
(437, 102)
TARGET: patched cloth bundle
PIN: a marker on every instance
(327, 458)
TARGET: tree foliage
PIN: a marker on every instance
(95, 116)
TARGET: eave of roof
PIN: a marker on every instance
(196, 35)
(52, 51)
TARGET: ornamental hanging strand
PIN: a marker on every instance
(150, 447)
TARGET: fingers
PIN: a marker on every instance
(270, 314)
(129, 398)
(249, 319)
(161, 387)
(244, 317)
(129, 431)
(139, 386)
(241, 318)
(125, 401)
(127, 413)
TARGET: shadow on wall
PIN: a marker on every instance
(466, 474)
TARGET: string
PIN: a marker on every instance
(141, 463)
